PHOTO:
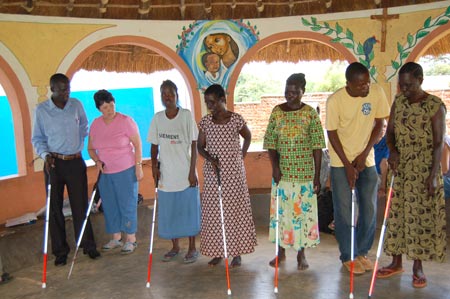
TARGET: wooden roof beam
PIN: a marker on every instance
(233, 7)
(259, 7)
(144, 9)
(102, 8)
(328, 4)
(208, 9)
(29, 6)
(69, 8)
(291, 7)
(182, 9)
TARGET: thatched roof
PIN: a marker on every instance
(131, 58)
(191, 9)
(126, 58)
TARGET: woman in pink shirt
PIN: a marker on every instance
(115, 146)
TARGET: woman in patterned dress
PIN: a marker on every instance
(416, 224)
(294, 139)
(219, 144)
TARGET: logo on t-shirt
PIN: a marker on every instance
(366, 108)
(172, 138)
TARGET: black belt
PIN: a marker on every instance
(66, 157)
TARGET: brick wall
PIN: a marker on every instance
(257, 114)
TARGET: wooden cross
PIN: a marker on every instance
(384, 18)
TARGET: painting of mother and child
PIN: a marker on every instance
(214, 48)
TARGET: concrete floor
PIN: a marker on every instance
(117, 276)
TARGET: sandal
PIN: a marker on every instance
(170, 256)
(192, 258)
(128, 248)
(419, 282)
(388, 272)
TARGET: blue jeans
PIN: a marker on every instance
(119, 193)
(446, 186)
(366, 189)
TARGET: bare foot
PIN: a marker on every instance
(214, 261)
(281, 257)
(302, 263)
(236, 262)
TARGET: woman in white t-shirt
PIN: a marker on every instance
(173, 135)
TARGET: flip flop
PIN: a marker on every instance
(170, 256)
(419, 282)
(191, 259)
(388, 272)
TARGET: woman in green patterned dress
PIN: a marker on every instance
(294, 139)
(416, 224)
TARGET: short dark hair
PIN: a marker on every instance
(298, 80)
(169, 84)
(205, 57)
(412, 68)
(103, 96)
(354, 69)
(56, 78)
(217, 90)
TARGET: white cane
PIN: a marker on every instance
(86, 218)
(352, 251)
(275, 289)
(223, 230)
(150, 251)
(380, 242)
(47, 216)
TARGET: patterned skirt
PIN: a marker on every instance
(297, 211)
(237, 212)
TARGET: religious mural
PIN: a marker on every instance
(212, 49)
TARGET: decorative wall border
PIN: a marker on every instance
(363, 52)
(412, 40)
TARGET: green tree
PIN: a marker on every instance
(250, 88)
(333, 79)
(435, 65)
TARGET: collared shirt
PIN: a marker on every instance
(59, 130)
